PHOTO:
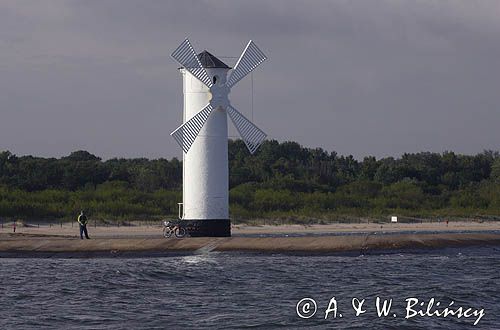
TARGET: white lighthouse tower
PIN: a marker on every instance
(203, 135)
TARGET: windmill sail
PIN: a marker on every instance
(251, 134)
(186, 56)
(251, 58)
(187, 132)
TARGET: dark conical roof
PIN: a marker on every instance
(210, 61)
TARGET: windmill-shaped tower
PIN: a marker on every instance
(203, 135)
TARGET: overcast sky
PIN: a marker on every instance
(357, 77)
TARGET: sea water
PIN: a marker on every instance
(259, 291)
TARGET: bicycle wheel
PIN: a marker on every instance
(167, 232)
(180, 232)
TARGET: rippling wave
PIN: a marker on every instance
(250, 291)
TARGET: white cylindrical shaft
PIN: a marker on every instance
(205, 165)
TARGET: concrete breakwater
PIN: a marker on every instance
(57, 246)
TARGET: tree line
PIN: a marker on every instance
(280, 180)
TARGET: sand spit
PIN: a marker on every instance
(26, 245)
(155, 231)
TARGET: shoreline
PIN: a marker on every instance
(29, 246)
(155, 230)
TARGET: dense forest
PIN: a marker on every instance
(282, 180)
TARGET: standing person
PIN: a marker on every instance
(82, 221)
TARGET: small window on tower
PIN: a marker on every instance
(215, 79)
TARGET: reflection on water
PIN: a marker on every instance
(229, 290)
(207, 257)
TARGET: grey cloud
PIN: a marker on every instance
(358, 77)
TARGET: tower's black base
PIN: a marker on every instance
(207, 228)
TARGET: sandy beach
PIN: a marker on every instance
(151, 231)
(147, 240)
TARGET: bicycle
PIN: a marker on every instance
(174, 228)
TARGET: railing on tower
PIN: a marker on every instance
(180, 210)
